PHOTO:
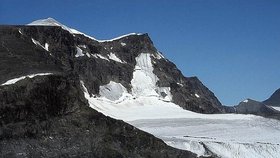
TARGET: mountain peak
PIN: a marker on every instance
(52, 22)
(274, 99)
(46, 22)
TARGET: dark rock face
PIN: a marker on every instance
(254, 107)
(274, 99)
(48, 116)
(19, 56)
(18, 49)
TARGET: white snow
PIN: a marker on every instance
(158, 55)
(180, 84)
(245, 101)
(112, 91)
(240, 138)
(276, 107)
(227, 135)
(83, 46)
(100, 56)
(13, 81)
(122, 36)
(46, 47)
(53, 22)
(196, 95)
(79, 52)
(88, 55)
(112, 56)
(19, 30)
(123, 44)
(144, 80)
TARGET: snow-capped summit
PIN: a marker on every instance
(52, 22)
(245, 101)
(46, 22)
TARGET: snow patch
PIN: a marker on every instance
(196, 95)
(112, 91)
(276, 107)
(79, 52)
(46, 47)
(180, 84)
(158, 55)
(246, 101)
(100, 56)
(122, 36)
(82, 46)
(88, 55)
(144, 80)
(123, 44)
(112, 56)
(19, 30)
(13, 81)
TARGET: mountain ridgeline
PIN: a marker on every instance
(31, 49)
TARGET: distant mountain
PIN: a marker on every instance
(250, 106)
(274, 99)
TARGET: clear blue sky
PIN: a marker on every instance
(233, 46)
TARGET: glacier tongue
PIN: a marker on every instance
(257, 137)
(226, 135)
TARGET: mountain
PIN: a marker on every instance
(66, 94)
(46, 68)
(48, 46)
(254, 107)
(274, 99)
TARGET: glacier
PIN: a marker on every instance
(221, 135)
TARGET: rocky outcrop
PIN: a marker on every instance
(48, 116)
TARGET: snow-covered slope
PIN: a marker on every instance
(224, 135)
(276, 107)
